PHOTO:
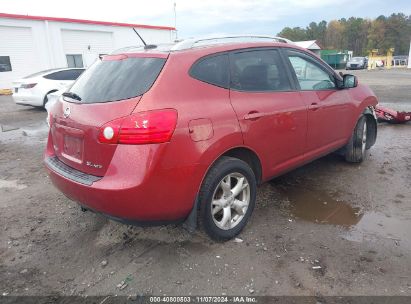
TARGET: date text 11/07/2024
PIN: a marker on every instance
(203, 299)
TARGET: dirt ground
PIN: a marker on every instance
(353, 221)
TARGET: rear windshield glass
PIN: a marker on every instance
(113, 80)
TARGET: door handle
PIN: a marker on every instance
(253, 115)
(314, 106)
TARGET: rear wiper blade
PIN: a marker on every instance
(72, 95)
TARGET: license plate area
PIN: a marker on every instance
(73, 148)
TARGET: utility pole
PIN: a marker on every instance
(409, 57)
(175, 19)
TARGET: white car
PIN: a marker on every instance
(52, 99)
(34, 89)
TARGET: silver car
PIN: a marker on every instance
(356, 63)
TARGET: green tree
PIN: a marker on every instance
(357, 34)
(376, 34)
(398, 33)
(334, 35)
(294, 34)
(317, 31)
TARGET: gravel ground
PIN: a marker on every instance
(328, 228)
(392, 87)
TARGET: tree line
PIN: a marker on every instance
(357, 34)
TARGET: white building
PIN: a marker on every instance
(29, 44)
(311, 45)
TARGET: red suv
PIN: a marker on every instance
(154, 135)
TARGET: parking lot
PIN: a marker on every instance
(328, 228)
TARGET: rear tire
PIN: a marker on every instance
(227, 198)
(355, 150)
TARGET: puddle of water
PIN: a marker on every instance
(321, 207)
(40, 130)
(376, 225)
(8, 128)
(11, 184)
(30, 134)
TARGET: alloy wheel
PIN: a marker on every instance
(364, 138)
(230, 201)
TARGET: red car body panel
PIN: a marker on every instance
(159, 182)
(83, 124)
(277, 134)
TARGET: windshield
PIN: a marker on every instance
(357, 59)
(111, 80)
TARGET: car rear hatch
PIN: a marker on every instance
(110, 89)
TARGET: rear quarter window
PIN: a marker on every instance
(213, 70)
(112, 80)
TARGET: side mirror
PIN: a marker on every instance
(350, 81)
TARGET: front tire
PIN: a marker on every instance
(227, 198)
(355, 150)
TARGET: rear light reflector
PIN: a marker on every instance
(28, 85)
(141, 128)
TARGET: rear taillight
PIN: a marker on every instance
(28, 85)
(141, 128)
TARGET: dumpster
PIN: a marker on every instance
(336, 58)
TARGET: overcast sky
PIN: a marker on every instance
(207, 17)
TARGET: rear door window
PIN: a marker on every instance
(39, 73)
(213, 70)
(65, 75)
(258, 71)
(110, 80)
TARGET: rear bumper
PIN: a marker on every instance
(357, 67)
(57, 166)
(143, 194)
(26, 98)
(138, 222)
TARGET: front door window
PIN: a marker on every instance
(309, 75)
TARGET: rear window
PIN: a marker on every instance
(111, 80)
